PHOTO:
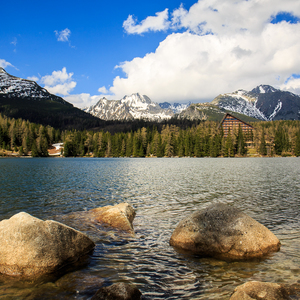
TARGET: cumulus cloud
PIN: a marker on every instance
(59, 82)
(33, 78)
(227, 45)
(64, 35)
(82, 100)
(153, 23)
(292, 85)
(103, 90)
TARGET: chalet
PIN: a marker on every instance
(230, 122)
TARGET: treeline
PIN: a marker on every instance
(280, 138)
(161, 140)
(26, 138)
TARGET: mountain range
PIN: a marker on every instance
(130, 107)
(263, 102)
(22, 98)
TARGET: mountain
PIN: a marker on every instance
(209, 112)
(131, 107)
(175, 107)
(22, 98)
(263, 102)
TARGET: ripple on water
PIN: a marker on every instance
(163, 191)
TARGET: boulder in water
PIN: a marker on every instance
(225, 232)
(30, 246)
(119, 216)
(254, 290)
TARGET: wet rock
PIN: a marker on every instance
(30, 246)
(265, 291)
(118, 291)
(119, 216)
(225, 232)
(80, 283)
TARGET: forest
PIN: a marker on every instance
(201, 139)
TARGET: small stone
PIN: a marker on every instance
(118, 291)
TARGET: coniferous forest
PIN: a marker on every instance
(201, 139)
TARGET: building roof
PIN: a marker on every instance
(228, 114)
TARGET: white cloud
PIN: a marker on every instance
(14, 42)
(292, 85)
(4, 63)
(231, 16)
(82, 100)
(59, 82)
(153, 23)
(33, 78)
(228, 45)
(63, 36)
(103, 90)
(61, 89)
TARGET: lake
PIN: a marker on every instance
(163, 191)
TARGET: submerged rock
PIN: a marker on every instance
(119, 216)
(118, 291)
(30, 246)
(223, 231)
(254, 290)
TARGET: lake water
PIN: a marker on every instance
(163, 191)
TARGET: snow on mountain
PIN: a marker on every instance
(241, 102)
(175, 107)
(14, 87)
(130, 107)
(263, 102)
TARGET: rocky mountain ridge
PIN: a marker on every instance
(15, 87)
(131, 107)
(22, 98)
(263, 102)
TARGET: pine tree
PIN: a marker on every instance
(240, 143)
(263, 145)
(229, 147)
(34, 151)
(297, 144)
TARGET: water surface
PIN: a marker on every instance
(162, 191)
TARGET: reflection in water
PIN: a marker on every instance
(163, 191)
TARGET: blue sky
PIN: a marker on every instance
(174, 51)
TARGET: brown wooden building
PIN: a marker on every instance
(230, 122)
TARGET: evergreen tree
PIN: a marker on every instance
(240, 143)
(229, 147)
(34, 151)
(279, 140)
(263, 145)
(297, 144)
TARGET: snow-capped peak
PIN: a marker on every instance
(15, 87)
(130, 107)
(263, 89)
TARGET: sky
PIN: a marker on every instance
(171, 51)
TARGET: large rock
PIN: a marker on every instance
(119, 216)
(254, 290)
(30, 246)
(118, 291)
(223, 231)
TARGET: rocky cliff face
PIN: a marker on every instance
(14, 87)
(263, 102)
(130, 107)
